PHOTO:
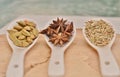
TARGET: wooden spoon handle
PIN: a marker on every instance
(56, 64)
(109, 66)
(15, 67)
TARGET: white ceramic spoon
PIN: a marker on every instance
(16, 65)
(56, 64)
(108, 64)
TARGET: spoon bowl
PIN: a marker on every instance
(15, 67)
(97, 47)
(56, 64)
(108, 64)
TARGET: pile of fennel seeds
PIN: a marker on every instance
(99, 32)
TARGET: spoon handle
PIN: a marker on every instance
(109, 66)
(56, 64)
(15, 67)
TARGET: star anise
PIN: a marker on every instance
(49, 31)
(59, 31)
(59, 23)
(69, 29)
(59, 39)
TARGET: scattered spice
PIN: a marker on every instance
(59, 31)
(99, 32)
(23, 33)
